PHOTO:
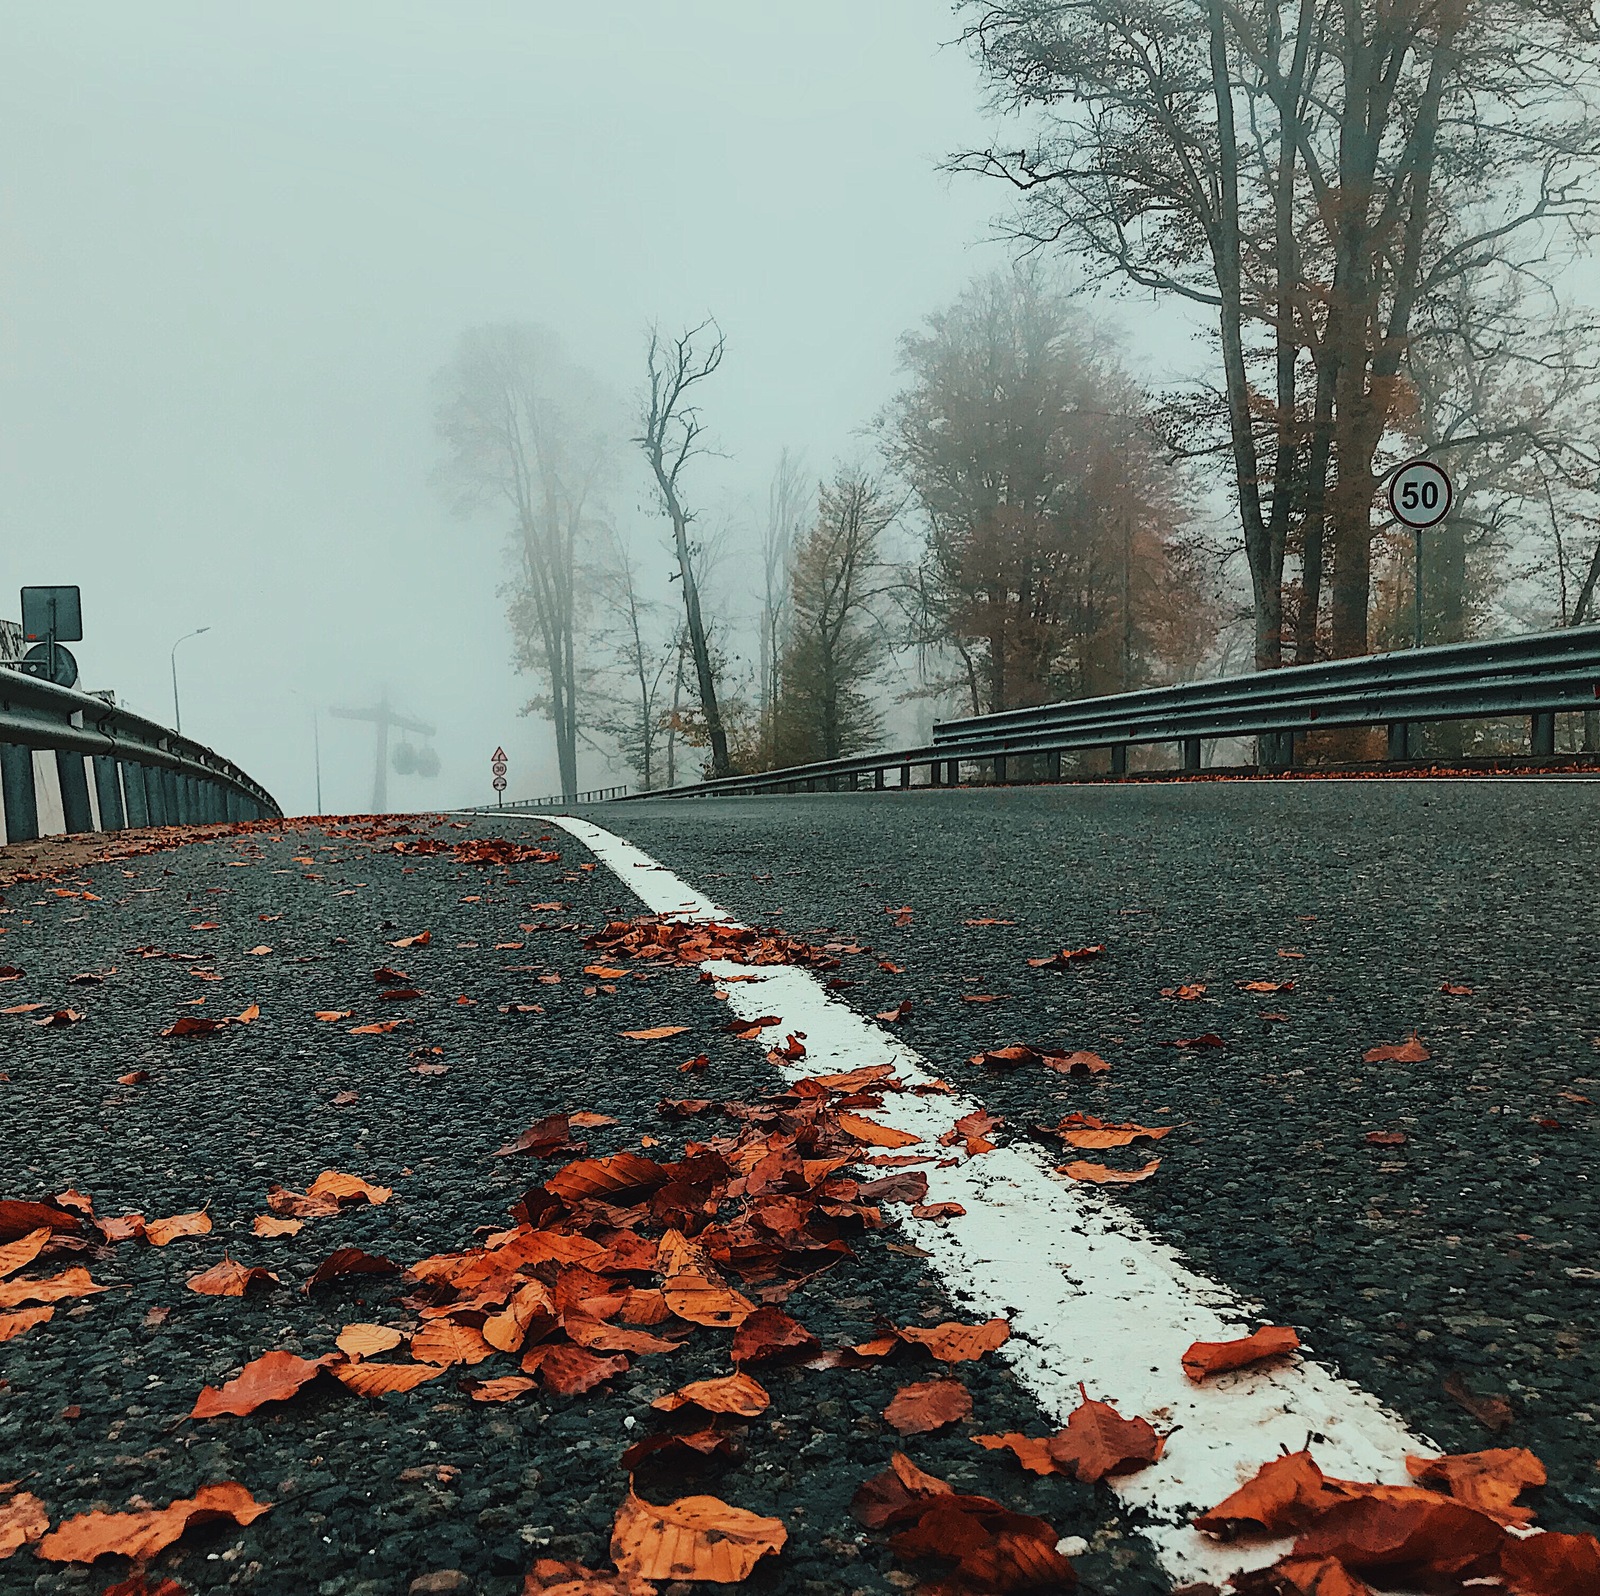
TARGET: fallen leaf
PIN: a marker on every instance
(1098, 1442)
(345, 1261)
(347, 1189)
(655, 1033)
(1185, 994)
(1387, 1138)
(378, 1028)
(367, 1340)
(959, 1343)
(420, 940)
(1102, 1175)
(121, 1227)
(1079, 1063)
(140, 1535)
(694, 1290)
(1404, 1541)
(937, 1210)
(267, 1225)
(69, 1284)
(158, 1232)
(229, 1279)
(23, 1520)
(887, 1495)
(1032, 1452)
(273, 1377)
(445, 1342)
(1206, 1358)
(1205, 1039)
(694, 1538)
(1085, 1131)
(873, 1134)
(258, 950)
(571, 1371)
(1492, 1412)
(993, 1548)
(1066, 956)
(1410, 1051)
(382, 1379)
(507, 1388)
(901, 1011)
(1283, 1495)
(770, 1333)
(18, 1254)
(1488, 1481)
(621, 1178)
(1450, 989)
(731, 1393)
(24, 1319)
(691, 1448)
(1265, 986)
(928, 1405)
(1552, 1565)
(60, 1017)
(329, 1015)
(133, 1078)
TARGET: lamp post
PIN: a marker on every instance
(177, 715)
(316, 742)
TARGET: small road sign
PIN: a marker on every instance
(499, 783)
(1419, 494)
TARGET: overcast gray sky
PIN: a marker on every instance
(238, 241)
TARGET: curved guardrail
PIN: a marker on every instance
(111, 768)
(1539, 675)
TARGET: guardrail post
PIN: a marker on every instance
(1275, 750)
(935, 773)
(1053, 764)
(170, 812)
(108, 793)
(1399, 740)
(1000, 770)
(133, 798)
(16, 791)
(234, 802)
(954, 773)
(1542, 733)
(877, 780)
(905, 777)
(74, 779)
(1119, 759)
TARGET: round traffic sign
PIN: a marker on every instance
(497, 767)
(58, 666)
(499, 783)
(1420, 493)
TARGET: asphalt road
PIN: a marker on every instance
(1469, 1250)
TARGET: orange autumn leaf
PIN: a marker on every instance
(345, 1261)
(507, 1388)
(1098, 1442)
(1552, 1564)
(886, 1496)
(694, 1538)
(928, 1405)
(60, 1017)
(1032, 1452)
(18, 1254)
(571, 1371)
(121, 1227)
(1102, 1175)
(959, 1343)
(23, 1520)
(621, 1178)
(444, 1342)
(380, 1028)
(1060, 960)
(1426, 1541)
(15, 1324)
(731, 1393)
(267, 1225)
(694, 1290)
(420, 940)
(1311, 1576)
(1490, 1481)
(68, 1284)
(1185, 994)
(1410, 1051)
(1283, 1495)
(1085, 1131)
(367, 1340)
(328, 1016)
(769, 1333)
(346, 1189)
(81, 1201)
(158, 1232)
(655, 1033)
(140, 1535)
(873, 1134)
(1265, 986)
(1081, 1062)
(1206, 1358)
(230, 1279)
(273, 1377)
(529, 1304)
(382, 1379)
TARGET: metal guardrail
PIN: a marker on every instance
(598, 796)
(1539, 675)
(142, 774)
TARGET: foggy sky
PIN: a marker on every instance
(238, 242)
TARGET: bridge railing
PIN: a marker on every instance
(1539, 675)
(598, 795)
(109, 767)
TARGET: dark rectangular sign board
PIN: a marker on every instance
(52, 611)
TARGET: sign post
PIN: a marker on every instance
(1420, 494)
(497, 768)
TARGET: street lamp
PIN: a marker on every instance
(177, 716)
(316, 744)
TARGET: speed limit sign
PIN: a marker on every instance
(1420, 494)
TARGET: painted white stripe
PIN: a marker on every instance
(1090, 1293)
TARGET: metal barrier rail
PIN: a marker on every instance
(598, 796)
(143, 774)
(1539, 675)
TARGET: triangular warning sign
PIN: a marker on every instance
(500, 753)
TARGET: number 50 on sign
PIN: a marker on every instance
(1420, 494)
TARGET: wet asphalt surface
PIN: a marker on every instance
(1471, 1252)
(370, 1494)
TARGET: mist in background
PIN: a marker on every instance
(240, 243)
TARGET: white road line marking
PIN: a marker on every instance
(1090, 1293)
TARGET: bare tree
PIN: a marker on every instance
(835, 641)
(786, 510)
(635, 716)
(522, 426)
(671, 438)
(1314, 174)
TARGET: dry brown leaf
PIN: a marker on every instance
(345, 1261)
(381, 1379)
(731, 1393)
(1102, 1175)
(1206, 1358)
(694, 1290)
(267, 1225)
(15, 1324)
(121, 1227)
(1410, 1051)
(140, 1535)
(928, 1405)
(694, 1538)
(158, 1232)
(273, 1377)
(1489, 1481)
(959, 1343)
(23, 1520)
(230, 1279)
(655, 1033)
(18, 1254)
(571, 1371)
(19, 1218)
(347, 1189)
(367, 1340)
(445, 1342)
(68, 1284)
(505, 1389)
(873, 1134)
